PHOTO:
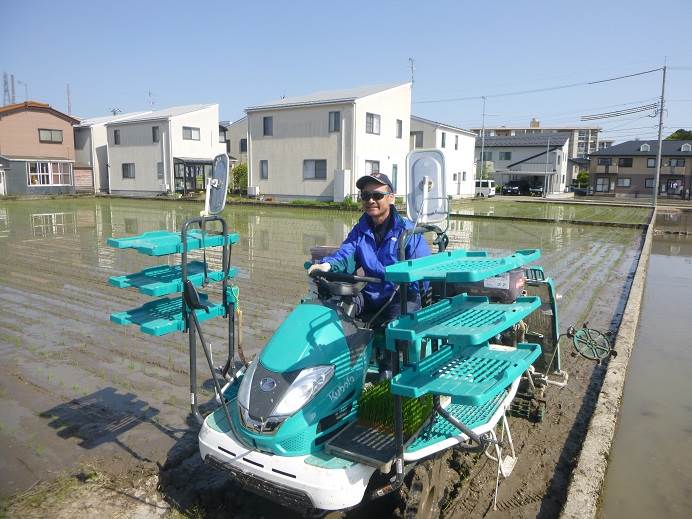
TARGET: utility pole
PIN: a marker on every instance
(5, 89)
(12, 98)
(481, 159)
(660, 135)
(413, 68)
(69, 101)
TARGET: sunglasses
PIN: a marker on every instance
(365, 196)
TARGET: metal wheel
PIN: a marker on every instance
(424, 490)
(591, 344)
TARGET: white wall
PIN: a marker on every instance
(457, 161)
(299, 134)
(208, 145)
(390, 105)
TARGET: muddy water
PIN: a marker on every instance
(75, 388)
(505, 206)
(649, 473)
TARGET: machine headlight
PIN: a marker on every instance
(245, 384)
(306, 385)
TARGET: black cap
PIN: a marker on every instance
(380, 178)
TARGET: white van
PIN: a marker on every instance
(485, 188)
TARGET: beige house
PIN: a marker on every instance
(37, 155)
(629, 169)
(457, 146)
(316, 146)
(236, 140)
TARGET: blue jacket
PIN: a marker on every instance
(360, 246)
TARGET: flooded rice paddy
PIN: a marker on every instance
(76, 388)
(507, 207)
(649, 470)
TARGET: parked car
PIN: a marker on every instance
(485, 188)
(536, 190)
(516, 187)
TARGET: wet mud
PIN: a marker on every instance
(76, 389)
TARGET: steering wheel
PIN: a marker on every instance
(342, 284)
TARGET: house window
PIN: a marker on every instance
(625, 162)
(505, 155)
(456, 142)
(605, 161)
(159, 170)
(444, 139)
(650, 163)
(116, 136)
(649, 182)
(417, 138)
(624, 182)
(463, 176)
(372, 123)
(314, 169)
(268, 126)
(49, 174)
(190, 133)
(395, 173)
(399, 129)
(677, 163)
(372, 166)
(487, 155)
(455, 176)
(243, 145)
(128, 170)
(334, 121)
(155, 134)
(51, 136)
(645, 147)
(222, 135)
(602, 184)
(264, 169)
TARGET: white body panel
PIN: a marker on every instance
(329, 489)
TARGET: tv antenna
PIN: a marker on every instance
(115, 111)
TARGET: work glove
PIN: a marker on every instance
(323, 267)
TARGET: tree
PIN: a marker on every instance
(680, 135)
(240, 177)
(583, 178)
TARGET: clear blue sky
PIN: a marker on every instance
(242, 53)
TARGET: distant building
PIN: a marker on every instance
(583, 140)
(628, 169)
(316, 146)
(456, 144)
(236, 140)
(170, 150)
(37, 154)
(605, 143)
(540, 159)
(91, 147)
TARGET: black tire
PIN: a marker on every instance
(425, 490)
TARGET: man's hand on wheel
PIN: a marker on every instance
(321, 267)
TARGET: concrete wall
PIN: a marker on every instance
(386, 148)
(19, 135)
(299, 134)
(457, 161)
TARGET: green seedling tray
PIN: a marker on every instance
(471, 375)
(161, 243)
(470, 415)
(457, 266)
(164, 279)
(462, 320)
(165, 315)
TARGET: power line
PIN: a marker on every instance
(620, 113)
(538, 90)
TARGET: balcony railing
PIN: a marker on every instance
(612, 169)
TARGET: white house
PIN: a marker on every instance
(170, 150)
(317, 146)
(91, 146)
(541, 159)
(457, 146)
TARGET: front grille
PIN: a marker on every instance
(281, 494)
